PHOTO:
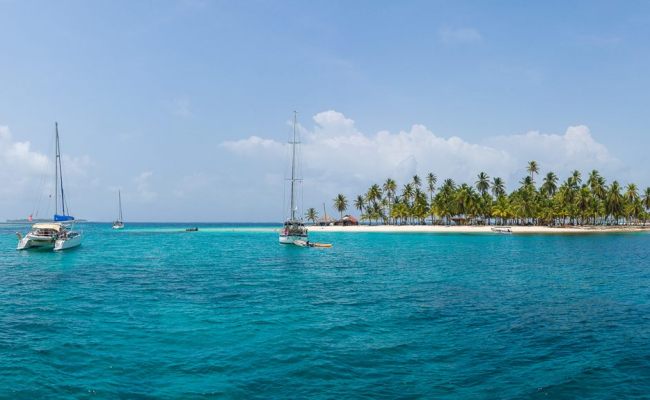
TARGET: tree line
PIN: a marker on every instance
(574, 201)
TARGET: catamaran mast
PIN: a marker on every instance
(293, 169)
(58, 174)
(56, 167)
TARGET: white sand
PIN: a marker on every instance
(475, 229)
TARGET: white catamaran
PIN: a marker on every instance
(294, 228)
(59, 234)
(119, 222)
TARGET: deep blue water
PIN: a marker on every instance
(153, 311)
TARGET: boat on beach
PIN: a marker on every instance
(294, 227)
(58, 234)
(505, 230)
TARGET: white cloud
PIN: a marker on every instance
(575, 149)
(339, 158)
(16, 155)
(252, 144)
(459, 35)
(20, 166)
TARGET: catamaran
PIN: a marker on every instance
(119, 223)
(294, 227)
(58, 234)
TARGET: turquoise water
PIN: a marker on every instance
(155, 312)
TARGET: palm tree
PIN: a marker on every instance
(575, 179)
(390, 186)
(341, 204)
(483, 183)
(312, 215)
(549, 187)
(360, 204)
(583, 202)
(374, 194)
(646, 199)
(432, 179)
(407, 193)
(532, 169)
(498, 187)
(614, 201)
(431, 187)
(417, 182)
(631, 193)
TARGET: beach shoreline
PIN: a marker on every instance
(477, 229)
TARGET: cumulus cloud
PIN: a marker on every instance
(575, 149)
(337, 156)
(20, 166)
(16, 155)
(459, 35)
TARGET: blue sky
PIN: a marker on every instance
(161, 99)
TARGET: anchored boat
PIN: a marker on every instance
(58, 234)
(119, 222)
(294, 228)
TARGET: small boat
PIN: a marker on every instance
(307, 243)
(58, 234)
(195, 229)
(505, 230)
(294, 228)
(119, 223)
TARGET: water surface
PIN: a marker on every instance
(153, 311)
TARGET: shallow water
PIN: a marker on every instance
(153, 311)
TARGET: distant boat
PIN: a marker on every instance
(506, 230)
(119, 223)
(294, 228)
(59, 234)
(195, 229)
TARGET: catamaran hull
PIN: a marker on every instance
(118, 226)
(64, 244)
(28, 243)
(290, 239)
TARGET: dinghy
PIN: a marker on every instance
(307, 243)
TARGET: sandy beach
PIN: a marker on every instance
(477, 229)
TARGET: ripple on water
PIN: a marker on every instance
(153, 311)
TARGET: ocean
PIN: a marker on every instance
(153, 311)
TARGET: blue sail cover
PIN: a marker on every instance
(59, 218)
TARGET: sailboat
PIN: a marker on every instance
(119, 223)
(58, 234)
(294, 227)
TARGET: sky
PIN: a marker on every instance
(186, 106)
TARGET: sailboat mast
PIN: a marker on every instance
(293, 169)
(56, 167)
(119, 197)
